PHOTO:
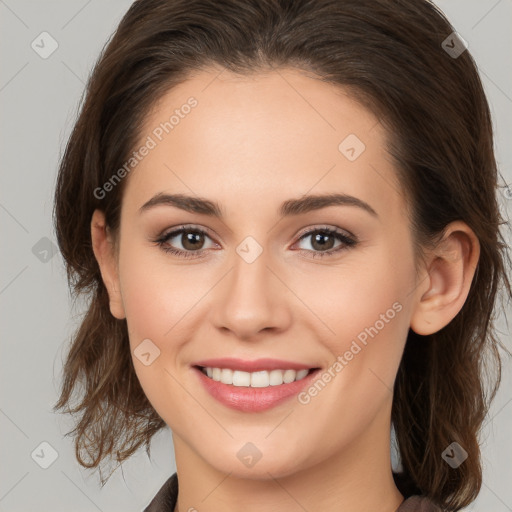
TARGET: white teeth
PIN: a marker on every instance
(261, 379)
(241, 378)
(226, 377)
(276, 377)
(289, 376)
(301, 374)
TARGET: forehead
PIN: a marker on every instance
(270, 134)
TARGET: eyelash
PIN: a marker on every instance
(347, 242)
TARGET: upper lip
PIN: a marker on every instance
(254, 365)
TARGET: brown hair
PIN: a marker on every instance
(389, 54)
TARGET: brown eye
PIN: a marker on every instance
(191, 239)
(323, 242)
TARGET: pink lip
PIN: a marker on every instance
(252, 366)
(248, 399)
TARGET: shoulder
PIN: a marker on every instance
(165, 499)
(418, 504)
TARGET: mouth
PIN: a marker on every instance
(253, 386)
(258, 379)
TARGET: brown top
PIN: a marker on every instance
(165, 500)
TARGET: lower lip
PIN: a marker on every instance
(250, 399)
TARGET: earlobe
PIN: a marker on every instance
(451, 268)
(105, 255)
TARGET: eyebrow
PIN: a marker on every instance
(298, 206)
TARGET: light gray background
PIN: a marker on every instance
(39, 99)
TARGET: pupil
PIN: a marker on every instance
(322, 245)
(192, 239)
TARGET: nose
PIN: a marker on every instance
(252, 298)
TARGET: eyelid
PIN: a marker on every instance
(189, 227)
(320, 227)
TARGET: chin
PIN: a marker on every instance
(250, 463)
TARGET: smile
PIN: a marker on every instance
(260, 379)
(253, 386)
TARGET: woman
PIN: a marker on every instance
(284, 213)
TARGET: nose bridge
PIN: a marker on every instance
(252, 298)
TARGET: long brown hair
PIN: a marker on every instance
(389, 54)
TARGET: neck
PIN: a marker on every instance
(356, 478)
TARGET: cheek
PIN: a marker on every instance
(156, 300)
(371, 329)
(162, 303)
(366, 294)
(366, 307)
(156, 295)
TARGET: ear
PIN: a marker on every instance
(104, 252)
(450, 270)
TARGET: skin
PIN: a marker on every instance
(251, 143)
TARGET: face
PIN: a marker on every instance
(312, 284)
